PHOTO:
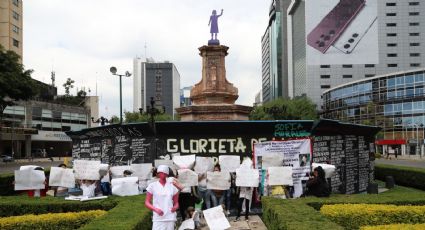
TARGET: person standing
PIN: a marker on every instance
(163, 199)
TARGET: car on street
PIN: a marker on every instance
(7, 158)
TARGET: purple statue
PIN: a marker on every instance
(214, 24)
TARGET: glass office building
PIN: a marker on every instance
(395, 102)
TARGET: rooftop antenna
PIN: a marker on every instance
(53, 77)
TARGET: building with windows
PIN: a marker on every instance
(185, 96)
(159, 80)
(11, 26)
(395, 102)
(379, 37)
(37, 127)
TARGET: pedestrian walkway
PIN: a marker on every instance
(254, 223)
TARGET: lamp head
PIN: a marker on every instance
(113, 70)
(127, 74)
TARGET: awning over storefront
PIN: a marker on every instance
(391, 142)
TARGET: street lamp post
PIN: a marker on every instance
(152, 111)
(126, 74)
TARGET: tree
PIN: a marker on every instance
(130, 117)
(15, 82)
(68, 85)
(298, 108)
(114, 120)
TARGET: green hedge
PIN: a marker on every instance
(21, 205)
(6, 184)
(406, 176)
(130, 213)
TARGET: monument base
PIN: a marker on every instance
(214, 42)
(214, 112)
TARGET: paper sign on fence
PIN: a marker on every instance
(204, 164)
(247, 177)
(280, 176)
(61, 177)
(329, 169)
(144, 171)
(184, 162)
(218, 180)
(86, 170)
(216, 219)
(29, 179)
(126, 186)
(118, 171)
(188, 177)
(229, 163)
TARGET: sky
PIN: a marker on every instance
(82, 39)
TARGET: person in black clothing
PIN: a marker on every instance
(317, 185)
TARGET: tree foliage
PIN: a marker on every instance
(68, 85)
(131, 117)
(15, 82)
(298, 108)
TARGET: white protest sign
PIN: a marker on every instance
(216, 220)
(204, 164)
(218, 180)
(272, 160)
(229, 163)
(188, 177)
(184, 162)
(169, 163)
(31, 167)
(144, 171)
(187, 224)
(126, 186)
(247, 177)
(329, 169)
(86, 170)
(118, 171)
(61, 177)
(280, 176)
(29, 179)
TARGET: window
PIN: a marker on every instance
(413, 13)
(369, 65)
(391, 35)
(325, 66)
(325, 76)
(391, 14)
(391, 65)
(15, 29)
(347, 66)
(413, 34)
(391, 24)
(369, 75)
(415, 64)
(15, 2)
(391, 44)
(391, 4)
(414, 24)
(347, 76)
(415, 44)
(413, 3)
(16, 43)
(415, 54)
(325, 86)
(392, 55)
(15, 16)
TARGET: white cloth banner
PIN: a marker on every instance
(247, 177)
(29, 179)
(86, 170)
(280, 176)
(184, 162)
(126, 186)
(216, 220)
(188, 177)
(61, 177)
(329, 169)
(204, 164)
(218, 180)
(118, 171)
(143, 171)
(229, 163)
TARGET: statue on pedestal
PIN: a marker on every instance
(214, 27)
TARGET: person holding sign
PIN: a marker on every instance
(163, 199)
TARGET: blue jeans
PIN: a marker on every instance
(214, 199)
(228, 196)
(206, 196)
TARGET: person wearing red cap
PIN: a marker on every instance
(163, 199)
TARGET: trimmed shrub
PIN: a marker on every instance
(353, 216)
(6, 184)
(70, 220)
(406, 176)
(395, 227)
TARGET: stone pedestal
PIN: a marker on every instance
(213, 98)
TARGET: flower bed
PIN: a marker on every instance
(395, 227)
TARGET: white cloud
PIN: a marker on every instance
(81, 39)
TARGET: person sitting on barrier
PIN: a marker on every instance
(317, 185)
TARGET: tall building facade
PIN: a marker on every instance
(332, 42)
(185, 96)
(11, 26)
(160, 80)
